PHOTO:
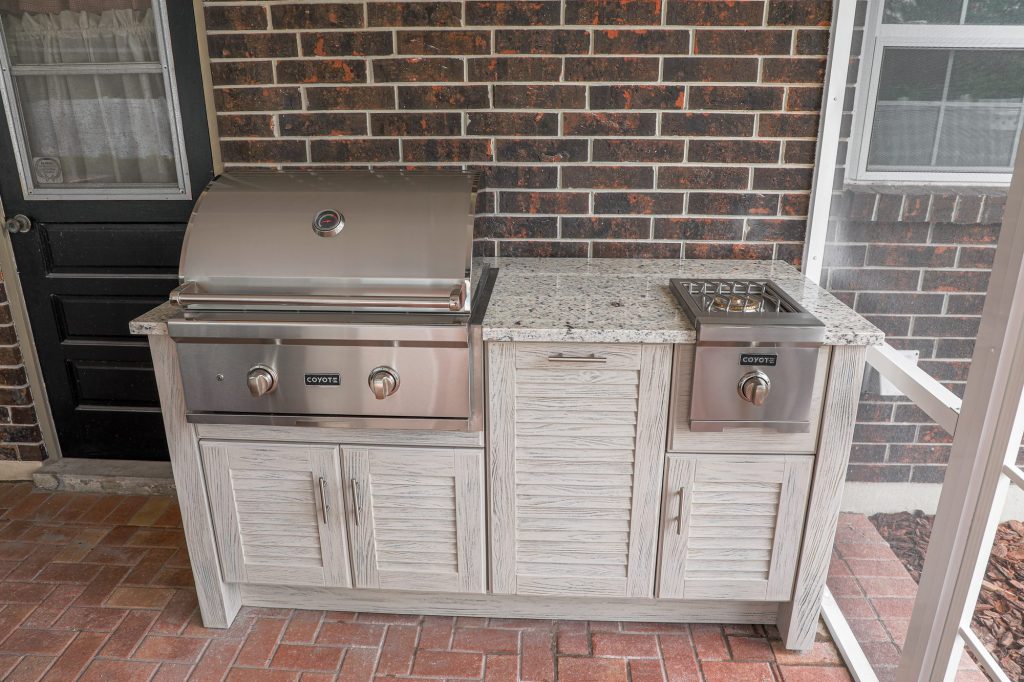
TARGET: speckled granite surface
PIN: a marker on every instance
(615, 300)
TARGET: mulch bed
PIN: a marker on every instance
(999, 615)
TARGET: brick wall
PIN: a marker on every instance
(20, 438)
(602, 127)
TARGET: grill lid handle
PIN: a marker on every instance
(190, 294)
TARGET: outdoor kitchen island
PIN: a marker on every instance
(586, 496)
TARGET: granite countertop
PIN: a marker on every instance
(615, 300)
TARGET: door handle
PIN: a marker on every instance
(355, 500)
(18, 224)
(679, 519)
(325, 507)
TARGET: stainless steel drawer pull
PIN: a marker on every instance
(324, 506)
(355, 501)
(679, 519)
(576, 358)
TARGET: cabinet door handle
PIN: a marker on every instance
(324, 506)
(355, 500)
(561, 357)
(679, 519)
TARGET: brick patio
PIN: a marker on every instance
(98, 587)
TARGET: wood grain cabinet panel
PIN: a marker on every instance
(731, 526)
(576, 440)
(416, 518)
(277, 512)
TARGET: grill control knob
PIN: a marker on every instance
(383, 382)
(754, 387)
(261, 381)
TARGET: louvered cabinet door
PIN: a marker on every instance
(576, 441)
(277, 512)
(731, 526)
(416, 518)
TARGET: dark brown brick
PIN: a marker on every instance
(13, 376)
(403, 125)
(447, 150)
(641, 41)
(799, 13)
(513, 124)
(915, 207)
(955, 280)
(247, 72)
(776, 230)
(788, 125)
(347, 44)
(714, 203)
(414, 13)
(485, 201)
(544, 202)
(873, 279)
(795, 204)
(610, 12)
(970, 304)
(905, 256)
(345, 97)
(235, 17)
(919, 454)
(263, 151)
(596, 124)
(967, 209)
(495, 227)
(245, 125)
(443, 97)
(542, 150)
(965, 234)
(790, 253)
(954, 348)
(252, 45)
(349, 151)
(611, 69)
(794, 70)
(322, 71)
(257, 99)
(505, 69)
(702, 177)
(708, 69)
(942, 208)
(783, 178)
(513, 13)
(878, 473)
(884, 433)
(976, 257)
(893, 233)
(715, 125)
(444, 42)
(445, 69)
(637, 97)
(992, 211)
(812, 42)
(322, 125)
(800, 152)
(639, 203)
(735, 97)
(543, 249)
(332, 15)
(485, 249)
(722, 250)
(715, 12)
(547, 41)
(804, 99)
(945, 326)
(697, 229)
(733, 151)
(750, 41)
(889, 206)
(606, 228)
(540, 96)
(539, 177)
(636, 250)
(867, 452)
(650, 151)
(607, 177)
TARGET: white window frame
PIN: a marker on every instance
(93, 191)
(877, 37)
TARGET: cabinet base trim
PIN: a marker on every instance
(569, 608)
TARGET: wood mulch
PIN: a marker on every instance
(999, 615)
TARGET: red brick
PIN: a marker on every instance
(631, 646)
(501, 668)
(729, 671)
(645, 670)
(255, 675)
(216, 660)
(351, 634)
(261, 642)
(37, 641)
(486, 640)
(592, 670)
(447, 664)
(709, 642)
(358, 665)
(107, 671)
(821, 653)
(893, 607)
(301, 657)
(91, 618)
(750, 649)
(436, 632)
(303, 626)
(538, 663)
(814, 674)
(397, 652)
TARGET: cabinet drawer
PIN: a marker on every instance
(732, 525)
(594, 356)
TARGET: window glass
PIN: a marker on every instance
(995, 12)
(922, 11)
(68, 37)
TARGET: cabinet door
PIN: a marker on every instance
(416, 518)
(576, 437)
(731, 526)
(277, 512)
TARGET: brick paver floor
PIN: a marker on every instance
(98, 587)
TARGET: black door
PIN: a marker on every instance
(104, 147)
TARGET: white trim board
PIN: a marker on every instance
(873, 498)
(18, 471)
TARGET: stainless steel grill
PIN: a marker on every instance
(340, 298)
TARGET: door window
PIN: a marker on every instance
(89, 93)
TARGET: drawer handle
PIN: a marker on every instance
(560, 357)
(324, 506)
(355, 500)
(679, 519)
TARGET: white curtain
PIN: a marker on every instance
(106, 128)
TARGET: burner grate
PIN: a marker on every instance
(736, 297)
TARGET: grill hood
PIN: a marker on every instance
(340, 240)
